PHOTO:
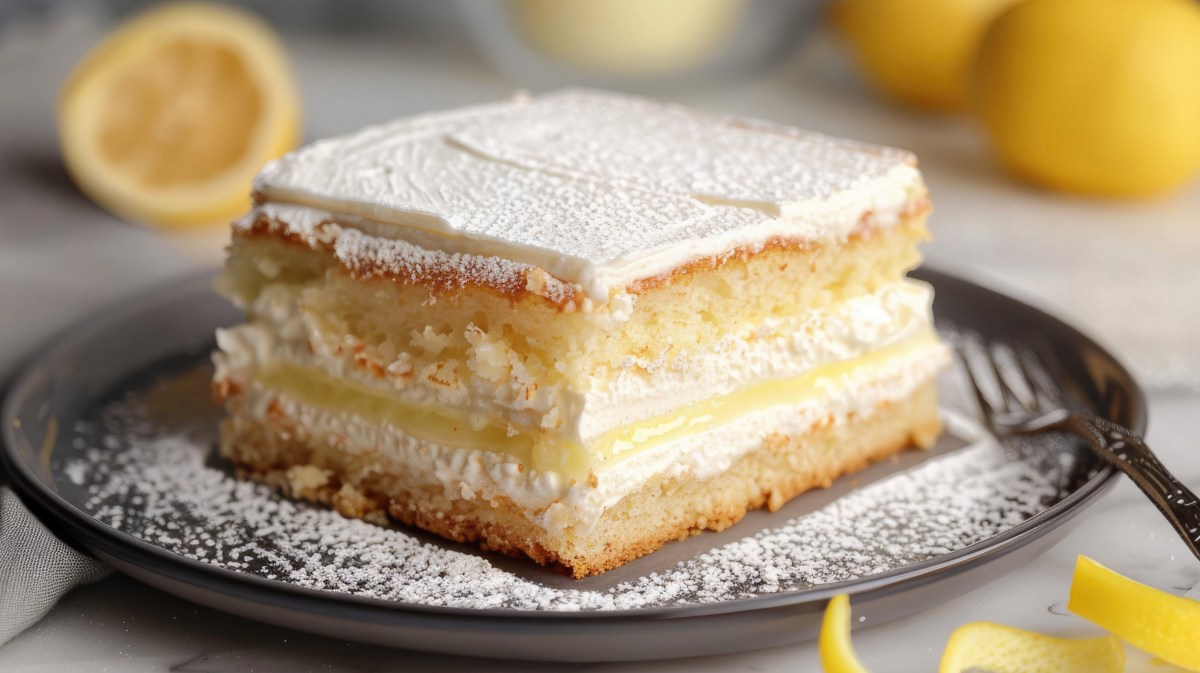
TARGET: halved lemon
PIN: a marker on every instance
(1004, 649)
(168, 120)
(1164, 625)
(837, 653)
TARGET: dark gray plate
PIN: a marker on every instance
(157, 346)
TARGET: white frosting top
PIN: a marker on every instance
(598, 189)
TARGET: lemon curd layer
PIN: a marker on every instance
(547, 451)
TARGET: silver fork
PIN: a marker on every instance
(1018, 396)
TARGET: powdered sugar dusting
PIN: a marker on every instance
(665, 148)
(154, 477)
(367, 255)
(598, 189)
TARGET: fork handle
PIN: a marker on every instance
(1125, 451)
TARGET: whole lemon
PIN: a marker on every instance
(918, 51)
(1095, 96)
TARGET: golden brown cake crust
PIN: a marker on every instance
(276, 452)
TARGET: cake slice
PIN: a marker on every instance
(577, 326)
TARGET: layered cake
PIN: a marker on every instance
(577, 326)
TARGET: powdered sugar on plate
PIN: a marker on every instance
(150, 472)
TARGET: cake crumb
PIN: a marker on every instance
(306, 480)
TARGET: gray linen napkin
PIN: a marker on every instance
(36, 568)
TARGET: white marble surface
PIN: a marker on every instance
(1123, 271)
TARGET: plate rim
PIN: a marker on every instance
(87, 530)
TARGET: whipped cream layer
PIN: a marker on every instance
(777, 350)
(569, 506)
(600, 190)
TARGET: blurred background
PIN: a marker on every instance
(1060, 138)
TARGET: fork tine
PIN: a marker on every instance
(964, 342)
(1044, 384)
(1013, 361)
(992, 368)
(1015, 385)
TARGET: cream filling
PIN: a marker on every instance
(777, 350)
(570, 506)
(550, 451)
